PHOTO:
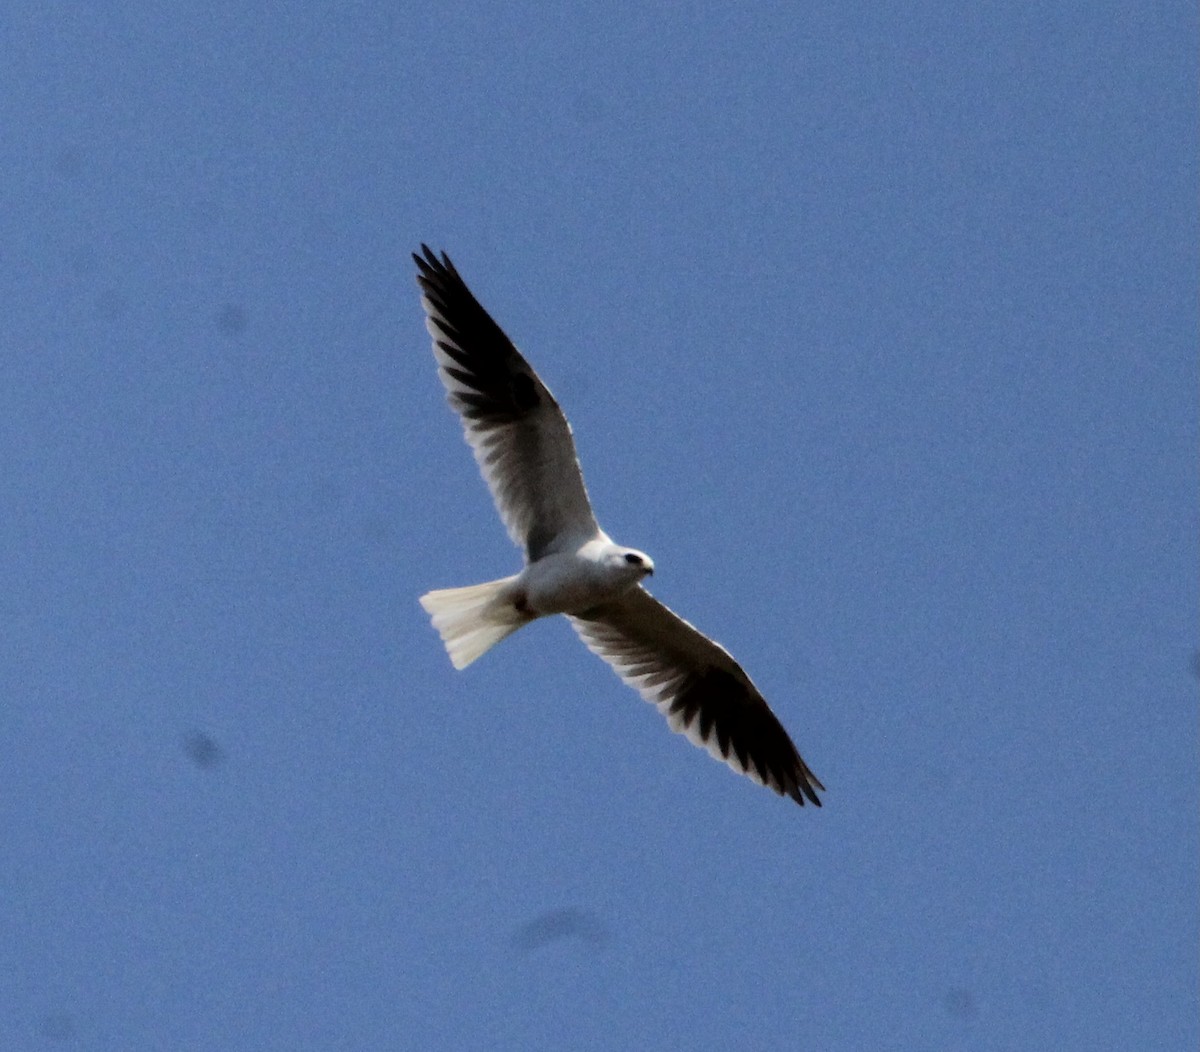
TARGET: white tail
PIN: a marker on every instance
(474, 619)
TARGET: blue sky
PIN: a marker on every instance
(877, 326)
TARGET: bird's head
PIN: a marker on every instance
(636, 564)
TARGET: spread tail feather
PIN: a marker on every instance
(474, 619)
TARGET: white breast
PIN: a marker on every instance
(571, 582)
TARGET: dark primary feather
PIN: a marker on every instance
(698, 686)
(521, 439)
(503, 388)
(729, 712)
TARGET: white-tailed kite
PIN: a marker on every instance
(523, 445)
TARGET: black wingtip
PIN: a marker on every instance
(806, 786)
(428, 262)
(803, 791)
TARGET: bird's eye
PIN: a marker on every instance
(633, 559)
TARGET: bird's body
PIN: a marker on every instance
(573, 582)
(525, 450)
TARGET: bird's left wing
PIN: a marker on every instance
(698, 687)
(520, 438)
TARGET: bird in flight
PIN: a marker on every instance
(523, 445)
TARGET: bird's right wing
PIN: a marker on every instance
(520, 438)
(698, 687)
